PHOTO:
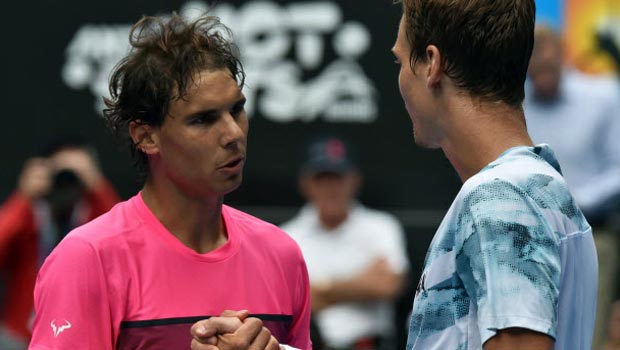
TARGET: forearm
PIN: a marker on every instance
(361, 288)
(519, 338)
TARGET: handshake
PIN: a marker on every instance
(232, 330)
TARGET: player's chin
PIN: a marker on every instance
(420, 141)
(230, 184)
(417, 138)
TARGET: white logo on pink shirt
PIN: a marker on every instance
(57, 330)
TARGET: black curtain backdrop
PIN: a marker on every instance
(42, 106)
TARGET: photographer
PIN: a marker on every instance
(54, 194)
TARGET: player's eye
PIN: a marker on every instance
(238, 108)
(204, 118)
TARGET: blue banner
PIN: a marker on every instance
(551, 13)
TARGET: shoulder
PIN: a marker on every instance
(74, 258)
(527, 181)
(245, 220)
(260, 232)
(114, 222)
(483, 200)
(505, 191)
(522, 172)
(503, 220)
(525, 203)
(517, 184)
(105, 231)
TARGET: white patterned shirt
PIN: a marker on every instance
(513, 251)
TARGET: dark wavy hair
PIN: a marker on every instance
(166, 53)
(485, 44)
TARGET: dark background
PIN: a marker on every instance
(41, 106)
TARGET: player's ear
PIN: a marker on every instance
(144, 136)
(434, 72)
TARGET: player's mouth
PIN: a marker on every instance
(234, 165)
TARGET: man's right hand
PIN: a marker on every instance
(35, 179)
(232, 330)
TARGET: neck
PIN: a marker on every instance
(479, 132)
(196, 222)
(331, 218)
(332, 222)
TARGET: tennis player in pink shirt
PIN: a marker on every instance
(152, 272)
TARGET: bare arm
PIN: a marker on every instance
(519, 338)
(377, 282)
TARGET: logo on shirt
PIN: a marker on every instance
(421, 287)
(57, 330)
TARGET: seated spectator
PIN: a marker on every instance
(355, 255)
